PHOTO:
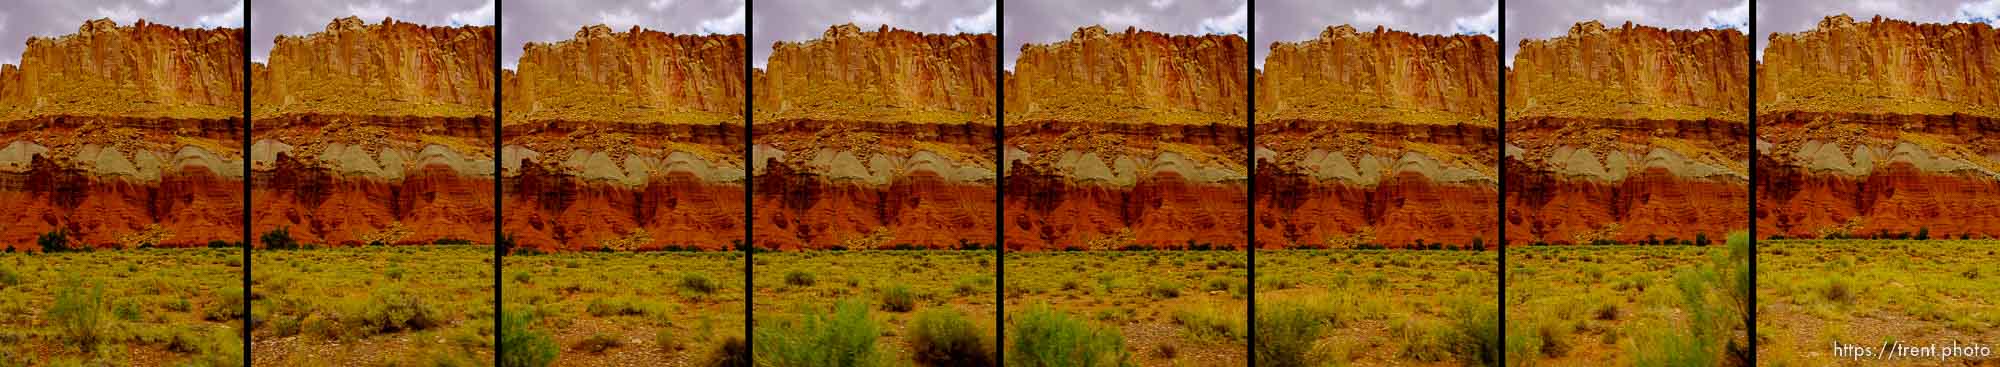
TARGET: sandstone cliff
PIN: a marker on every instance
(370, 133)
(1883, 66)
(391, 68)
(123, 136)
(875, 139)
(1630, 134)
(1383, 138)
(625, 140)
(1128, 139)
(1132, 76)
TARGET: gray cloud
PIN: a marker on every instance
(1299, 20)
(21, 19)
(550, 21)
(270, 18)
(1048, 21)
(799, 20)
(1541, 19)
(1793, 16)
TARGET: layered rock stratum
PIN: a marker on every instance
(1128, 139)
(1881, 128)
(375, 133)
(625, 140)
(1629, 134)
(1378, 138)
(875, 139)
(123, 136)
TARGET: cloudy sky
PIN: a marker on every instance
(1793, 16)
(1299, 20)
(1540, 19)
(550, 21)
(270, 18)
(21, 19)
(799, 20)
(1049, 21)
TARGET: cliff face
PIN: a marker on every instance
(371, 133)
(1883, 66)
(1132, 76)
(1129, 139)
(1632, 72)
(629, 140)
(1628, 134)
(1377, 138)
(875, 139)
(123, 137)
(1880, 129)
(390, 68)
(887, 75)
(633, 76)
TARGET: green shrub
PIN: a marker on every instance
(1208, 323)
(278, 239)
(393, 309)
(898, 298)
(666, 340)
(1286, 333)
(127, 310)
(1555, 338)
(733, 352)
(599, 342)
(79, 313)
(1478, 332)
(228, 305)
(57, 241)
(800, 278)
(943, 337)
(1164, 289)
(1043, 337)
(622, 306)
(221, 348)
(9, 278)
(845, 338)
(699, 284)
(523, 346)
(973, 285)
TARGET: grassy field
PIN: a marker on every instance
(1149, 308)
(147, 307)
(1628, 305)
(1814, 293)
(872, 308)
(624, 308)
(373, 305)
(1377, 307)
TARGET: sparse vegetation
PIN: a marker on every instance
(844, 337)
(1042, 336)
(523, 345)
(943, 337)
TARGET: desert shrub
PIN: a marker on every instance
(127, 310)
(1163, 289)
(667, 340)
(943, 337)
(844, 338)
(57, 241)
(898, 298)
(598, 343)
(1218, 284)
(9, 278)
(1423, 340)
(1554, 337)
(732, 352)
(228, 305)
(973, 285)
(393, 309)
(180, 305)
(1043, 337)
(622, 306)
(1272, 283)
(799, 278)
(1209, 323)
(1477, 332)
(523, 346)
(278, 239)
(79, 313)
(698, 284)
(1286, 332)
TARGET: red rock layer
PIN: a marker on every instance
(1894, 198)
(888, 75)
(320, 206)
(1296, 209)
(552, 211)
(1131, 76)
(1383, 76)
(1048, 210)
(1653, 204)
(390, 68)
(633, 76)
(1632, 72)
(1883, 65)
(195, 206)
(795, 209)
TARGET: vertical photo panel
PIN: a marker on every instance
(121, 185)
(1878, 143)
(372, 204)
(622, 183)
(1126, 201)
(873, 183)
(1377, 177)
(1627, 169)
